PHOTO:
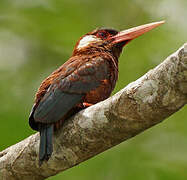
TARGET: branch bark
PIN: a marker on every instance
(142, 104)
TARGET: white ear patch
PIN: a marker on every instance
(86, 40)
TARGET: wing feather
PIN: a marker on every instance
(67, 91)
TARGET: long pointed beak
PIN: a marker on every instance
(133, 33)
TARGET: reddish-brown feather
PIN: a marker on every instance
(100, 93)
(62, 71)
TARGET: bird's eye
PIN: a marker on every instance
(102, 34)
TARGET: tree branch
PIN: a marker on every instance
(142, 104)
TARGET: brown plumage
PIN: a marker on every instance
(88, 77)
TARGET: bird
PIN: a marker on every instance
(88, 77)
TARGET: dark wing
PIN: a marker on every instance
(65, 93)
(54, 105)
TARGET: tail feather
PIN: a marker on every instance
(49, 138)
(42, 149)
(46, 144)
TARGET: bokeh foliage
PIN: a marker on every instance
(37, 36)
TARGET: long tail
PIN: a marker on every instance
(46, 143)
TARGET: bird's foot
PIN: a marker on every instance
(85, 104)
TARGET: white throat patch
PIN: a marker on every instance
(86, 40)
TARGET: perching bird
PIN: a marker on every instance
(88, 77)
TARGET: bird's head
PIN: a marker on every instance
(111, 40)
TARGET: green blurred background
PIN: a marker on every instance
(37, 36)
